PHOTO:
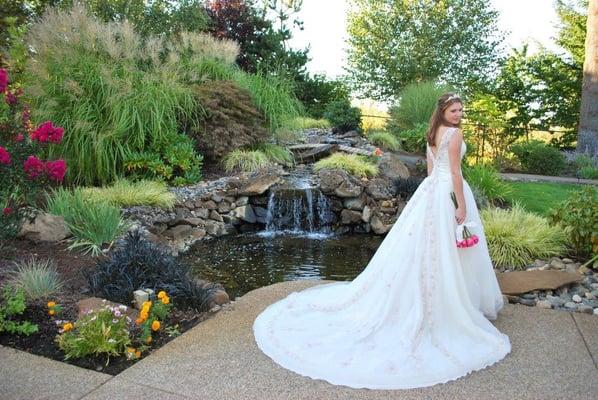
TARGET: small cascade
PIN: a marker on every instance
(297, 210)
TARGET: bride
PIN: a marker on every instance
(418, 314)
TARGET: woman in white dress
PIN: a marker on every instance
(418, 314)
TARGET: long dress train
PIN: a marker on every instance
(416, 316)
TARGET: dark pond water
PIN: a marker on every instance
(249, 261)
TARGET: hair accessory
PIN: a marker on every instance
(452, 97)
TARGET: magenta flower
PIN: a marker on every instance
(56, 170)
(33, 167)
(6, 210)
(19, 137)
(47, 133)
(4, 156)
(3, 80)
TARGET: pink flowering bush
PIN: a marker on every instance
(24, 173)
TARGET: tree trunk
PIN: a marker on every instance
(587, 141)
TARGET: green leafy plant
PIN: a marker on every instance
(37, 278)
(13, 304)
(350, 163)
(276, 153)
(587, 167)
(384, 139)
(414, 140)
(486, 180)
(125, 193)
(516, 237)
(102, 331)
(538, 158)
(342, 116)
(578, 215)
(92, 222)
(152, 316)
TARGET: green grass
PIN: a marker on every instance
(350, 163)
(385, 139)
(539, 197)
(124, 193)
(245, 160)
(300, 123)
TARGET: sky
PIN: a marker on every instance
(532, 21)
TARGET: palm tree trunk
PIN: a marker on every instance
(587, 141)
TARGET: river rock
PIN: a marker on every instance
(378, 226)
(46, 228)
(576, 298)
(245, 213)
(178, 232)
(242, 201)
(261, 214)
(201, 213)
(224, 207)
(215, 216)
(349, 217)
(258, 185)
(339, 183)
(355, 203)
(366, 215)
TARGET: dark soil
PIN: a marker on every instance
(73, 268)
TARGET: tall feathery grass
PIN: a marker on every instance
(124, 193)
(516, 237)
(246, 160)
(276, 153)
(39, 279)
(93, 223)
(353, 164)
(416, 104)
(384, 139)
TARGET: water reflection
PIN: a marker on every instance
(246, 262)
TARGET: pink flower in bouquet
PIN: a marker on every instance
(3, 80)
(56, 170)
(33, 167)
(4, 156)
(475, 239)
(469, 242)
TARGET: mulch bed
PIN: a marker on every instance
(73, 268)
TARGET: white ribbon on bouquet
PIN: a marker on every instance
(459, 231)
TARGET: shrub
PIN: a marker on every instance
(538, 158)
(414, 140)
(91, 222)
(587, 167)
(406, 187)
(38, 279)
(246, 160)
(141, 264)
(342, 116)
(385, 139)
(350, 163)
(231, 121)
(481, 200)
(487, 181)
(124, 193)
(102, 331)
(578, 215)
(13, 304)
(515, 237)
(23, 174)
(416, 104)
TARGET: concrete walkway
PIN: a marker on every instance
(554, 355)
(546, 178)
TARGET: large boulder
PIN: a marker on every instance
(258, 185)
(350, 217)
(245, 213)
(380, 225)
(381, 188)
(392, 167)
(339, 183)
(46, 228)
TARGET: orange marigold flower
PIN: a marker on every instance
(138, 354)
(155, 325)
(51, 312)
(165, 300)
(131, 350)
(148, 340)
(146, 304)
(143, 315)
(51, 304)
(67, 327)
(139, 321)
(161, 294)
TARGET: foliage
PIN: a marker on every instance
(587, 167)
(353, 164)
(394, 43)
(414, 140)
(152, 316)
(384, 139)
(480, 198)
(515, 237)
(301, 123)
(578, 215)
(102, 331)
(13, 304)
(486, 180)
(139, 263)
(37, 278)
(23, 175)
(538, 158)
(316, 92)
(124, 193)
(342, 116)
(92, 222)
(246, 160)
(417, 102)
(405, 187)
(539, 197)
(276, 153)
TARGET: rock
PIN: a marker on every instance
(46, 228)
(544, 304)
(392, 167)
(216, 198)
(527, 302)
(555, 300)
(567, 260)
(201, 213)
(245, 213)
(557, 264)
(380, 188)
(210, 205)
(516, 282)
(178, 232)
(349, 217)
(258, 185)
(378, 226)
(349, 134)
(339, 183)
(314, 154)
(355, 203)
(348, 189)
(215, 216)
(224, 207)
(577, 298)
(570, 305)
(214, 228)
(191, 221)
(584, 270)
(366, 215)
(529, 296)
(585, 309)
(260, 214)
(219, 298)
(595, 312)
(241, 201)
(230, 219)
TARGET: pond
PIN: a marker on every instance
(249, 261)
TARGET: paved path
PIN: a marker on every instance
(554, 356)
(545, 178)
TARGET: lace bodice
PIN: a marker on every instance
(440, 160)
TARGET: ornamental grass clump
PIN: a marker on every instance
(37, 278)
(353, 164)
(125, 193)
(516, 237)
(384, 139)
(488, 182)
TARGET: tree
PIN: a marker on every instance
(393, 43)
(587, 141)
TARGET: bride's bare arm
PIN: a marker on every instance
(429, 159)
(454, 151)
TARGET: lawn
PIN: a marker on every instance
(540, 197)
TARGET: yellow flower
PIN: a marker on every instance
(155, 325)
(146, 304)
(161, 294)
(51, 312)
(67, 327)
(148, 340)
(51, 304)
(143, 315)
(139, 321)
(131, 350)
(165, 300)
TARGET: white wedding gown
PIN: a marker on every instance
(416, 316)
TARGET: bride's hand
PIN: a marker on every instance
(460, 215)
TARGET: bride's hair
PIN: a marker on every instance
(437, 118)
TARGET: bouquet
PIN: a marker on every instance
(464, 236)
